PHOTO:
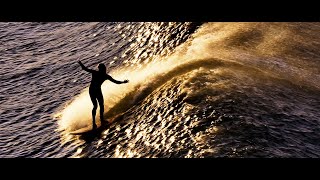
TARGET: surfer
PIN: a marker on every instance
(98, 77)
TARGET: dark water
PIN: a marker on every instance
(196, 90)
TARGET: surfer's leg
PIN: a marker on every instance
(94, 103)
(101, 105)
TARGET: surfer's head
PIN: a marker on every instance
(102, 68)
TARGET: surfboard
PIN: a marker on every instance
(89, 129)
(82, 130)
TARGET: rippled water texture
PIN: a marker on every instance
(195, 90)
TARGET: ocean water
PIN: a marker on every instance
(196, 89)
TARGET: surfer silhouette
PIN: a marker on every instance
(98, 77)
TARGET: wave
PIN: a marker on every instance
(260, 46)
(120, 98)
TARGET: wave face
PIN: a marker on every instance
(195, 90)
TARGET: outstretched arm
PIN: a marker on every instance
(85, 68)
(116, 81)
